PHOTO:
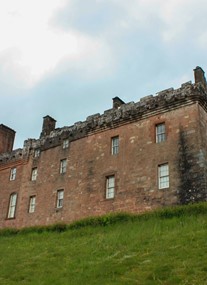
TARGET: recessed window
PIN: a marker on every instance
(115, 145)
(13, 173)
(32, 202)
(34, 174)
(12, 205)
(63, 164)
(37, 153)
(66, 143)
(163, 176)
(60, 196)
(110, 187)
(160, 133)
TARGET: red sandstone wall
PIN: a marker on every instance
(89, 161)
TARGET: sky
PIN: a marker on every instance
(69, 58)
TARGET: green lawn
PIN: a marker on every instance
(153, 251)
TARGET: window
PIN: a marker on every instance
(63, 164)
(13, 173)
(37, 152)
(160, 133)
(115, 145)
(110, 187)
(65, 143)
(163, 176)
(60, 195)
(32, 201)
(34, 174)
(12, 205)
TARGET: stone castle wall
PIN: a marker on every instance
(89, 161)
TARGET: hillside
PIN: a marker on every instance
(166, 247)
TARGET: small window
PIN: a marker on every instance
(60, 195)
(34, 174)
(110, 187)
(63, 164)
(163, 176)
(37, 152)
(160, 133)
(115, 145)
(13, 173)
(65, 143)
(12, 205)
(32, 202)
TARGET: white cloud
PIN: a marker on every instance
(31, 48)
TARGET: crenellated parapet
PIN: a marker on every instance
(125, 113)
(120, 114)
(14, 156)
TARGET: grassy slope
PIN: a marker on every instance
(152, 251)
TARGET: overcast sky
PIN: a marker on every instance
(69, 58)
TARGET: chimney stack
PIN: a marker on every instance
(7, 136)
(117, 102)
(199, 76)
(48, 126)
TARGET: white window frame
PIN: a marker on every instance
(163, 176)
(32, 204)
(60, 197)
(12, 206)
(115, 145)
(160, 133)
(65, 143)
(34, 174)
(37, 152)
(13, 173)
(63, 166)
(110, 187)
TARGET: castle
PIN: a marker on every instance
(134, 157)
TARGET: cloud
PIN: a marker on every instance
(31, 48)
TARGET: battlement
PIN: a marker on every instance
(124, 114)
(121, 113)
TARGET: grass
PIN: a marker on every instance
(165, 247)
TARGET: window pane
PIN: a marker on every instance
(115, 145)
(12, 205)
(32, 204)
(163, 176)
(63, 164)
(37, 152)
(110, 187)
(65, 143)
(60, 196)
(34, 174)
(13, 174)
(160, 133)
